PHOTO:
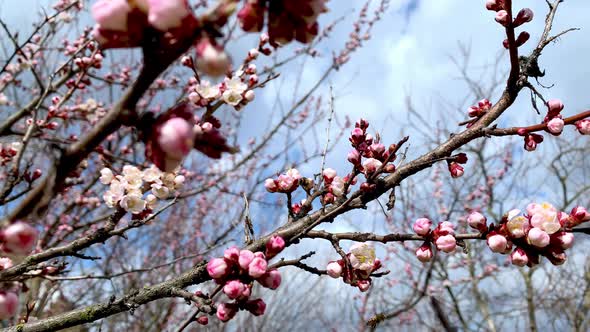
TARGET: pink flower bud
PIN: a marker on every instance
(249, 95)
(564, 240)
(165, 15)
(111, 15)
(329, 174)
(226, 311)
(502, 18)
(246, 257)
(538, 238)
(257, 267)
(275, 245)
(233, 289)
(495, 5)
(525, 15)
(424, 252)
(5, 263)
(519, 257)
(217, 268)
(271, 185)
(186, 61)
(19, 238)
(422, 226)
(583, 126)
(256, 307)
(354, 157)
(357, 136)
(446, 227)
(371, 165)
(232, 254)
(456, 170)
(334, 270)
(251, 17)
(211, 59)
(203, 320)
(497, 243)
(556, 256)
(8, 304)
(555, 106)
(271, 279)
(259, 254)
(580, 213)
(522, 38)
(555, 126)
(176, 138)
(364, 285)
(477, 221)
(446, 243)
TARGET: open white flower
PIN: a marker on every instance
(133, 176)
(106, 176)
(160, 191)
(207, 91)
(132, 203)
(151, 201)
(235, 84)
(151, 174)
(362, 256)
(232, 97)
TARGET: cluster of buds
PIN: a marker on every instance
(285, 183)
(93, 61)
(171, 136)
(525, 15)
(454, 165)
(443, 237)
(9, 151)
(363, 263)
(377, 157)
(124, 23)
(127, 189)
(477, 111)
(287, 20)
(334, 185)
(541, 231)
(237, 271)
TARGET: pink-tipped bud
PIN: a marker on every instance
(525, 15)
(538, 238)
(8, 304)
(226, 311)
(555, 126)
(19, 238)
(502, 18)
(211, 59)
(564, 240)
(329, 174)
(456, 170)
(246, 257)
(446, 227)
(217, 268)
(257, 267)
(446, 243)
(203, 320)
(371, 165)
(271, 185)
(555, 106)
(497, 243)
(422, 226)
(275, 245)
(583, 126)
(187, 61)
(271, 279)
(477, 221)
(580, 214)
(354, 157)
(256, 307)
(424, 252)
(364, 285)
(232, 254)
(5, 263)
(357, 136)
(334, 270)
(495, 5)
(519, 257)
(233, 289)
(176, 138)
(523, 37)
(249, 95)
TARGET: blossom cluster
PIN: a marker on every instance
(17, 240)
(363, 263)
(128, 189)
(9, 151)
(237, 271)
(286, 20)
(443, 237)
(541, 231)
(334, 184)
(477, 111)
